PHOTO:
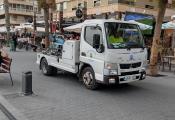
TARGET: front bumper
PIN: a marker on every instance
(118, 79)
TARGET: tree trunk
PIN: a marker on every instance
(173, 40)
(7, 19)
(46, 18)
(153, 68)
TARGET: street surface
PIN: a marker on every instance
(63, 97)
(2, 116)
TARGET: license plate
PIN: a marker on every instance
(127, 77)
(130, 77)
(134, 77)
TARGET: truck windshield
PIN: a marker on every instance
(123, 36)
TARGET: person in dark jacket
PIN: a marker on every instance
(14, 38)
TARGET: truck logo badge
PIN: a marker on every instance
(91, 55)
(131, 57)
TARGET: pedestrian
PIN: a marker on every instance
(3, 53)
(14, 39)
(43, 42)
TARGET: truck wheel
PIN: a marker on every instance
(46, 69)
(88, 78)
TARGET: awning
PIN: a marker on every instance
(169, 25)
(141, 25)
(74, 28)
(3, 29)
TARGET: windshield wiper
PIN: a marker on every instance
(134, 45)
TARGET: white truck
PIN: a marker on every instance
(99, 57)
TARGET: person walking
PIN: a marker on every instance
(43, 42)
(3, 53)
(14, 39)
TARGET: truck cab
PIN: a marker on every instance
(108, 52)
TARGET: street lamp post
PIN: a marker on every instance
(34, 22)
(85, 11)
(61, 18)
(7, 19)
(34, 17)
(61, 2)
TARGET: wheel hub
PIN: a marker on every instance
(87, 78)
(44, 68)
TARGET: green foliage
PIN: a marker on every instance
(43, 4)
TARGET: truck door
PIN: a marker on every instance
(88, 54)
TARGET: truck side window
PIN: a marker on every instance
(89, 33)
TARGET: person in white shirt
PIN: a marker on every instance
(43, 42)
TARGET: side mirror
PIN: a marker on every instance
(96, 41)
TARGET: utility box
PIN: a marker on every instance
(27, 83)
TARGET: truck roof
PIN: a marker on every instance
(77, 27)
(102, 21)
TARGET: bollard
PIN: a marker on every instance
(27, 83)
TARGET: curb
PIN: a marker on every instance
(11, 112)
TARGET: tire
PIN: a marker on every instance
(46, 69)
(88, 78)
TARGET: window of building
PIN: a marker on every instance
(112, 1)
(2, 16)
(30, 7)
(10, 6)
(18, 6)
(149, 6)
(58, 7)
(89, 33)
(14, 17)
(65, 5)
(23, 7)
(27, 7)
(97, 3)
(171, 3)
(129, 2)
(1, 7)
(14, 6)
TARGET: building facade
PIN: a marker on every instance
(111, 8)
(20, 11)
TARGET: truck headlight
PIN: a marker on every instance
(110, 66)
(110, 69)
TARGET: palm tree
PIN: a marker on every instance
(153, 69)
(7, 19)
(45, 6)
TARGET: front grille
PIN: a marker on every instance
(129, 73)
(128, 66)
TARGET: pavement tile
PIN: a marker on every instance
(2, 116)
(64, 98)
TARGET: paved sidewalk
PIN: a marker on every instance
(63, 97)
(8, 111)
(40, 107)
(2, 116)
